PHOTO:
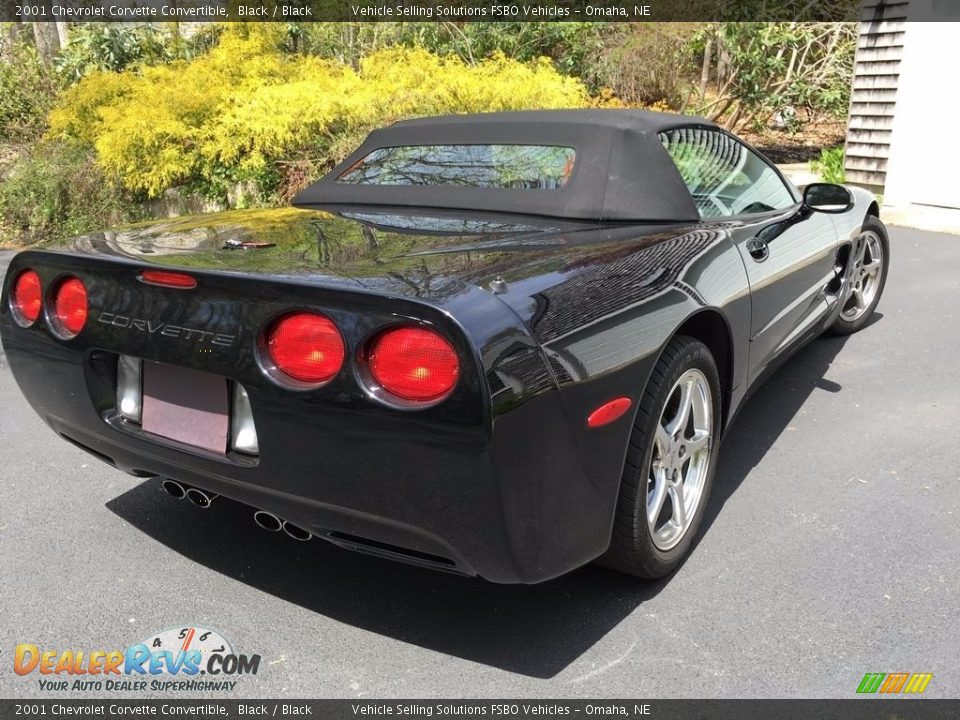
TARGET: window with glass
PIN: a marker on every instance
(723, 175)
(525, 167)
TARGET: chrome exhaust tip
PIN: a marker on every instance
(201, 498)
(267, 521)
(174, 489)
(296, 532)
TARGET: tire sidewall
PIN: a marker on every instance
(661, 562)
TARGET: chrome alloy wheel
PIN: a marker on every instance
(865, 275)
(680, 459)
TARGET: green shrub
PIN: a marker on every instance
(56, 191)
(830, 165)
(765, 68)
(112, 47)
(27, 92)
(570, 45)
(643, 63)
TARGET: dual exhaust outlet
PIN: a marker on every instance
(263, 519)
(271, 523)
(179, 491)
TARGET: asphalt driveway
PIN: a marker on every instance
(831, 549)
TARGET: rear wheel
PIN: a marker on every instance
(869, 261)
(670, 463)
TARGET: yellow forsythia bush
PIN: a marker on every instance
(232, 114)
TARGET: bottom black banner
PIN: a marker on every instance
(855, 709)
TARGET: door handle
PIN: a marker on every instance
(758, 249)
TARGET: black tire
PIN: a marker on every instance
(632, 549)
(842, 325)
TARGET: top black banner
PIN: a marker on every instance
(477, 10)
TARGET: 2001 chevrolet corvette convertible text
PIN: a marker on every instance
(503, 345)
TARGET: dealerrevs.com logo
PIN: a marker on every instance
(179, 659)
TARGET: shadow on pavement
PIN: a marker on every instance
(533, 630)
(767, 414)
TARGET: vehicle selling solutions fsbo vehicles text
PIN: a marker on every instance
(493, 710)
(388, 12)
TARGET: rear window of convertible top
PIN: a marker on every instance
(523, 167)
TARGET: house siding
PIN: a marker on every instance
(874, 94)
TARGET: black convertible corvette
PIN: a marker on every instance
(503, 345)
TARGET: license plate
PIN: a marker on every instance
(185, 405)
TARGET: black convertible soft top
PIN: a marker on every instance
(622, 171)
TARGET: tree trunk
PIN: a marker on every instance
(731, 123)
(10, 36)
(723, 64)
(47, 41)
(62, 33)
(705, 71)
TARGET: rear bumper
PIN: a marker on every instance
(363, 530)
(510, 503)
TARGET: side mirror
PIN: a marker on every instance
(827, 198)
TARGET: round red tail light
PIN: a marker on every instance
(306, 347)
(414, 364)
(26, 298)
(70, 307)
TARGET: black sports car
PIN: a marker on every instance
(502, 345)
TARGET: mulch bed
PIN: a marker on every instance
(803, 146)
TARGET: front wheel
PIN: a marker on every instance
(867, 275)
(670, 463)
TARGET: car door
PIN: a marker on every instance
(788, 251)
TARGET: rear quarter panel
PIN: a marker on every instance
(602, 319)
